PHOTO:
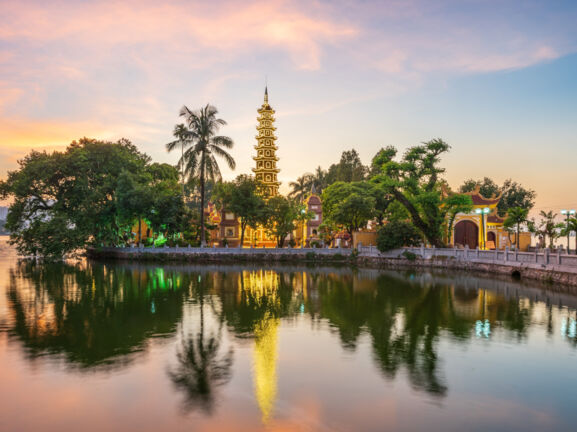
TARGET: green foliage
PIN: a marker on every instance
(487, 187)
(397, 234)
(516, 217)
(409, 255)
(199, 159)
(242, 198)
(350, 205)
(64, 200)
(569, 226)
(547, 227)
(349, 169)
(414, 182)
(513, 194)
(396, 212)
(281, 214)
(3, 230)
(301, 187)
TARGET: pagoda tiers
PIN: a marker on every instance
(266, 159)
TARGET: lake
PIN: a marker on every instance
(95, 346)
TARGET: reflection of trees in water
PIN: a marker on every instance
(100, 315)
(405, 320)
(250, 297)
(253, 303)
(92, 314)
(202, 368)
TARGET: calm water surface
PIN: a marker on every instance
(115, 347)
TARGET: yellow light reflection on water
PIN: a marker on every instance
(264, 284)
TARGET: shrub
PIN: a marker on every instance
(409, 255)
(397, 234)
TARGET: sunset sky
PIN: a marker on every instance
(497, 80)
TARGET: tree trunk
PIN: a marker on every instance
(202, 240)
(139, 230)
(182, 168)
(242, 228)
(417, 220)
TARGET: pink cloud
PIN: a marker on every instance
(188, 27)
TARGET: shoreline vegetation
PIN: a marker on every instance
(555, 277)
(100, 193)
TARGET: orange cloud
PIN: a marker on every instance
(19, 136)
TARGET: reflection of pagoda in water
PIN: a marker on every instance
(263, 287)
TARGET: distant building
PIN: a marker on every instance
(3, 213)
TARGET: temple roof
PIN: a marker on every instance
(494, 218)
(480, 200)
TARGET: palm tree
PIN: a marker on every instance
(320, 179)
(548, 226)
(301, 187)
(516, 216)
(182, 134)
(199, 160)
(570, 226)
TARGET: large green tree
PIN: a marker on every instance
(204, 146)
(415, 182)
(513, 194)
(280, 218)
(350, 205)
(243, 198)
(62, 201)
(348, 169)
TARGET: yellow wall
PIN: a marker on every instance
(366, 238)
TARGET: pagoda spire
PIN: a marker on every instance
(266, 171)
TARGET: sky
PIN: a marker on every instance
(497, 80)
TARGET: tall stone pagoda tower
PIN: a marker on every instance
(266, 159)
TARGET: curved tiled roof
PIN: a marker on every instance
(480, 200)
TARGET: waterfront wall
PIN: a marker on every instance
(555, 268)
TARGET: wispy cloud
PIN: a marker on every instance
(187, 27)
(123, 68)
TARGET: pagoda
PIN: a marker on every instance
(266, 159)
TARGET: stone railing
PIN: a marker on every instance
(229, 251)
(544, 257)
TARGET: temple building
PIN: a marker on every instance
(227, 228)
(266, 159)
(265, 171)
(483, 227)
